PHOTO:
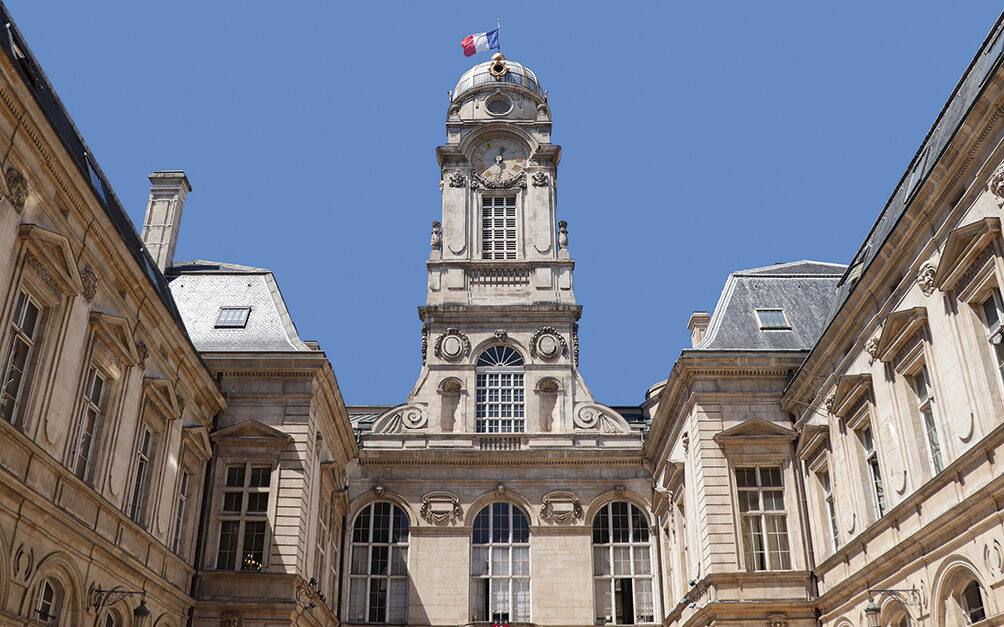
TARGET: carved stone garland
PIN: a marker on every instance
(517, 181)
(561, 508)
(452, 345)
(441, 508)
(547, 343)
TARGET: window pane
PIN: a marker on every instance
(360, 558)
(644, 605)
(258, 502)
(361, 530)
(601, 526)
(398, 601)
(357, 599)
(604, 612)
(235, 477)
(261, 477)
(479, 561)
(622, 560)
(521, 600)
(226, 558)
(378, 600)
(399, 561)
(520, 526)
(639, 525)
(254, 540)
(619, 531)
(381, 522)
(500, 561)
(379, 560)
(481, 527)
(232, 502)
(500, 522)
(601, 561)
(642, 564)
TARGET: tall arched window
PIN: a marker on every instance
(378, 574)
(622, 565)
(500, 564)
(48, 602)
(971, 601)
(500, 406)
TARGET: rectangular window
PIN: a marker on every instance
(179, 511)
(88, 423)
(243, 515)
(24, 335)
(874, 472)
(772, 319)
(925, 405)
(144, 449)
(499, 406)
(831, 508)
(498, 227)
(233, 317)
(993, 312)
(763, 518)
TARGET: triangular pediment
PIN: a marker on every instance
(160, 393)
(114, 332)
(252, 432)
(899, 327)
(196, 438)
(962, 249)
(52, 251)
(755, 429)
(813, 437)
(850, 387)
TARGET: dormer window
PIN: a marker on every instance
(233, 317)
(772, 319)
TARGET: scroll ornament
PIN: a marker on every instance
(593, 416)
(400, 419)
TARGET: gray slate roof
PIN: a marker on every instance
(805, 290)
(201, 288)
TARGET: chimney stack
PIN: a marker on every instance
(168, 189)
(698, 326)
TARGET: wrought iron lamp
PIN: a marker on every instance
(873, 614)
(106, 598)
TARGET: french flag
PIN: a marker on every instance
(479, 42)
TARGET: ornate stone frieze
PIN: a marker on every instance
(89, 280)
(17, 188)
(539, 179)
(441, 508)
(401, 418)
(561, 508)
(43, 273)
(547, 343)
(452, 345)
(974, 269)
(997, 185)
(458, 180)
(516, 181)
(598, 417)
(925, 277)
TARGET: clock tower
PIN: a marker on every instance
(500, 344)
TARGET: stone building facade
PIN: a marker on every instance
(827, 452)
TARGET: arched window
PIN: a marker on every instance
(971, 601)
(378, 574)
(48, 602)
(500, 407)
(112, 619)
(500, 564)
(622, 565)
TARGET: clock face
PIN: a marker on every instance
(499, 160)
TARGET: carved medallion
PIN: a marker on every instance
(441, 508)
(539, 179)
(561, 508)
(458, 180)
(501, 335)
(17, 189)
(925, 278)
(452, 345)
(547, 343)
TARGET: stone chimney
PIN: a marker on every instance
(698, 326)
(168, 189)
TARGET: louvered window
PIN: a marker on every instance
(498, 227)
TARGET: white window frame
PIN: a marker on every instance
(495, 233)
(142, 469)
(90, 417)
(48, 607)
(361, 565)
(927, 411)
(778, 560)
(499, 571)
(19, 337)
(243, 517)
(233, 317)
(993, 303)
(182, 495)
(769, 326)
(609, 553)
(866, 435)
(500, 391)
(829, 506)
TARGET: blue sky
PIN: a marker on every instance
(698, 139)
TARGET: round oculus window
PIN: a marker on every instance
(498, 106)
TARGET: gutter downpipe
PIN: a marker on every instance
(200, 538)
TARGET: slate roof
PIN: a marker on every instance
(805, 290)
(201, 288)
(362, 417)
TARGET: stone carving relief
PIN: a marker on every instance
(400, 419)
(458, 180)
(501, 335)
(499, 490)
(871, 347)
(561, 508)
(993, 556)
(231, 619)
(593, 416)
(548, 391)
(777, 619)
(181, 406)
(441, 508)
(828, 402)
(90, 283)
(17, 189)
(539, 179)
(925, 277)
(425, 343)
(575, 343)
(452, 345)
(436, 241)
(142, 352)
(997, 185)
(562, 235)
(517, 181)
(547, 343)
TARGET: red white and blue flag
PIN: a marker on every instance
(480, 42)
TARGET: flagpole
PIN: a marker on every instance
(499, 25)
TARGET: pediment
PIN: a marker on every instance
(160, 392)
(900, 326)
(251, 432)
(114, 332)
(962, 248)
(197, 439)
(53, 252)
(755, 430)
(813, 437)
(850, 387)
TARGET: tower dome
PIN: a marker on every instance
(497, 70)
